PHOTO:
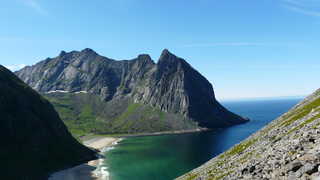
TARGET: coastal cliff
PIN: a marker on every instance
(287, 148)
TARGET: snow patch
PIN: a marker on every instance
(55, 91)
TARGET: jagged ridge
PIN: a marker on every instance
(170, 85)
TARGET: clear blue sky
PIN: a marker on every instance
(251, 48)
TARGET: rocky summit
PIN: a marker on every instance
(286, 149)
(34, 140)
(167, 95)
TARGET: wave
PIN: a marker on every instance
(101, 172)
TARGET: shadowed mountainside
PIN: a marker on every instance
(35, 141)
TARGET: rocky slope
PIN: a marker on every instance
(288, 148)
(131, 88)
(34, 141)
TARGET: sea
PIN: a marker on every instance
(166, 157)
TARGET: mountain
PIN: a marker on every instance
(287, 148)
(135, 95)
(35, 142)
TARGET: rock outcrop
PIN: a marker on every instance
(170, 85)
(34, 140)
(287, 149)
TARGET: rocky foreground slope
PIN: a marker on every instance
(288, 148)
(34, 141)
(135, 95)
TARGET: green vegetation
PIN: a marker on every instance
(87, 114)
(130, 110)
(316, 125)
(300, 112)
(246, 156)
(80, 119)
(304, 123)
(222, 175)
(240, 147)
(191, 176)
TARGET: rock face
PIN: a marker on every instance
(170, 85)
(288, 148)
(35, 141)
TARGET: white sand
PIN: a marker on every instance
(100, 142)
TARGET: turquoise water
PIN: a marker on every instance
(169, 156)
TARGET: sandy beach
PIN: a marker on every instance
(91, 170)
(100, 142)
(88, 171)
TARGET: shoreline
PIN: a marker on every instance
(89, 170)
(176, 132)
(168, 132)
(103, 144)
(92, 170)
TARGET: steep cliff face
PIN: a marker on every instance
(287, 148)
(171, 85)
(87, 71)
(176, 87)
(35, 141)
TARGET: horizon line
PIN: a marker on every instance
(260, 98)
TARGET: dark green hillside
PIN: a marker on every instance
(34, 141)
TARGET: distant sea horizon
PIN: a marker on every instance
(169, 156)
(261, 98)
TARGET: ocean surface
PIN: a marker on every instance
(169, 156)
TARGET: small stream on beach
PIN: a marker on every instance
(168, 156)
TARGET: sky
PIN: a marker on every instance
(245, 48)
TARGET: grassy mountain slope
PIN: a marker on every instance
(287, 148)
(85, 113)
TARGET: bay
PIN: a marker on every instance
(169, 156)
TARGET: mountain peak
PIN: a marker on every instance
(144, 56)
(62, 53)
(166, 55)
(171, 85)
(166, 51)
(88, 51)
